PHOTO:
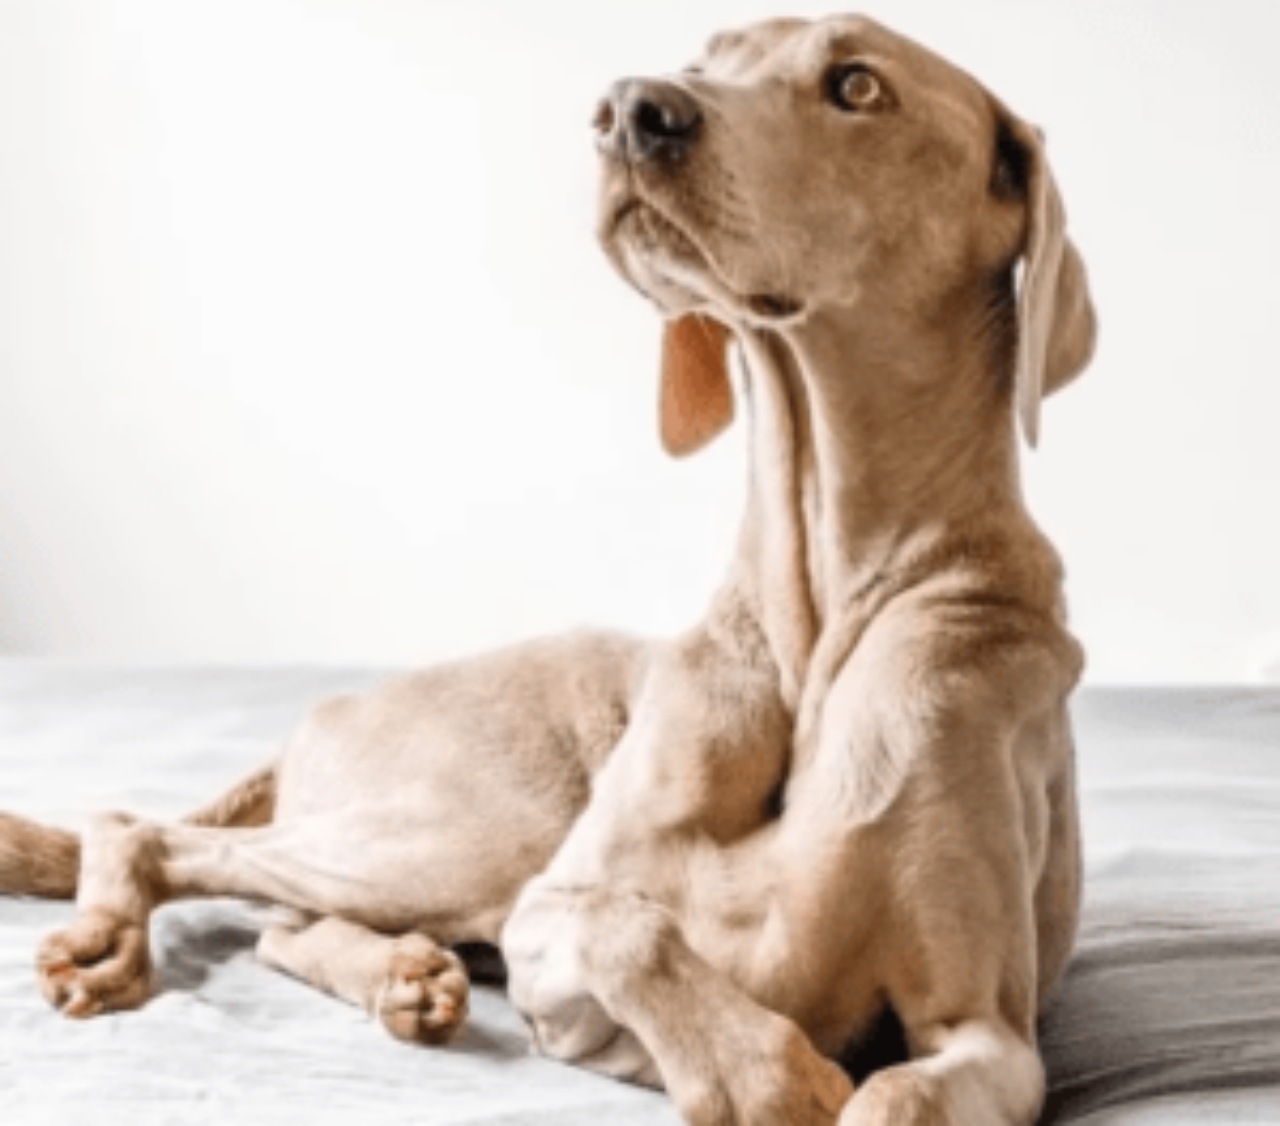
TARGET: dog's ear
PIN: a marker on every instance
(695, 399)
(1056, 324)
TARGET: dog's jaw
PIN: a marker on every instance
(654, 252)
(664, 259)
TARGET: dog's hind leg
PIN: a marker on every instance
(416, 988)
(44, 860)
(384, 868)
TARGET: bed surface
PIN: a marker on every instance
(1170, 1014)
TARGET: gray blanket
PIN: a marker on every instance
(1170, 1013)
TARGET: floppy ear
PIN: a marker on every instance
(1056, 324)
(695, 400)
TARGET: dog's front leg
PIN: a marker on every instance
(724, 1059)
(706, 749)
(974, 1072)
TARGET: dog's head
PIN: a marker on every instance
(799, 169)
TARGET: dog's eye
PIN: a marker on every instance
(854, 88)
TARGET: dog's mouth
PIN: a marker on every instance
(774, 307)
(669, 264)
(647, 229)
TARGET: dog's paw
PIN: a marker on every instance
(774, 1074)
(99, 964)
(424, 995)
(897, 1096)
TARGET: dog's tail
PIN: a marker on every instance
(44, 861)
(251, 801)
(37, 859)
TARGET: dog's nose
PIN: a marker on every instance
(641, 119)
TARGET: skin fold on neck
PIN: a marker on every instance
(867, 458)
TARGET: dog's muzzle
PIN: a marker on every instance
(642, 119)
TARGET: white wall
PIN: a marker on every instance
(306, 351)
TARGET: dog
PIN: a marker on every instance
(713, 862)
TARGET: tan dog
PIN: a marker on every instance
(849, 789)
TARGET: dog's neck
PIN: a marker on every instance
(869, 455)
